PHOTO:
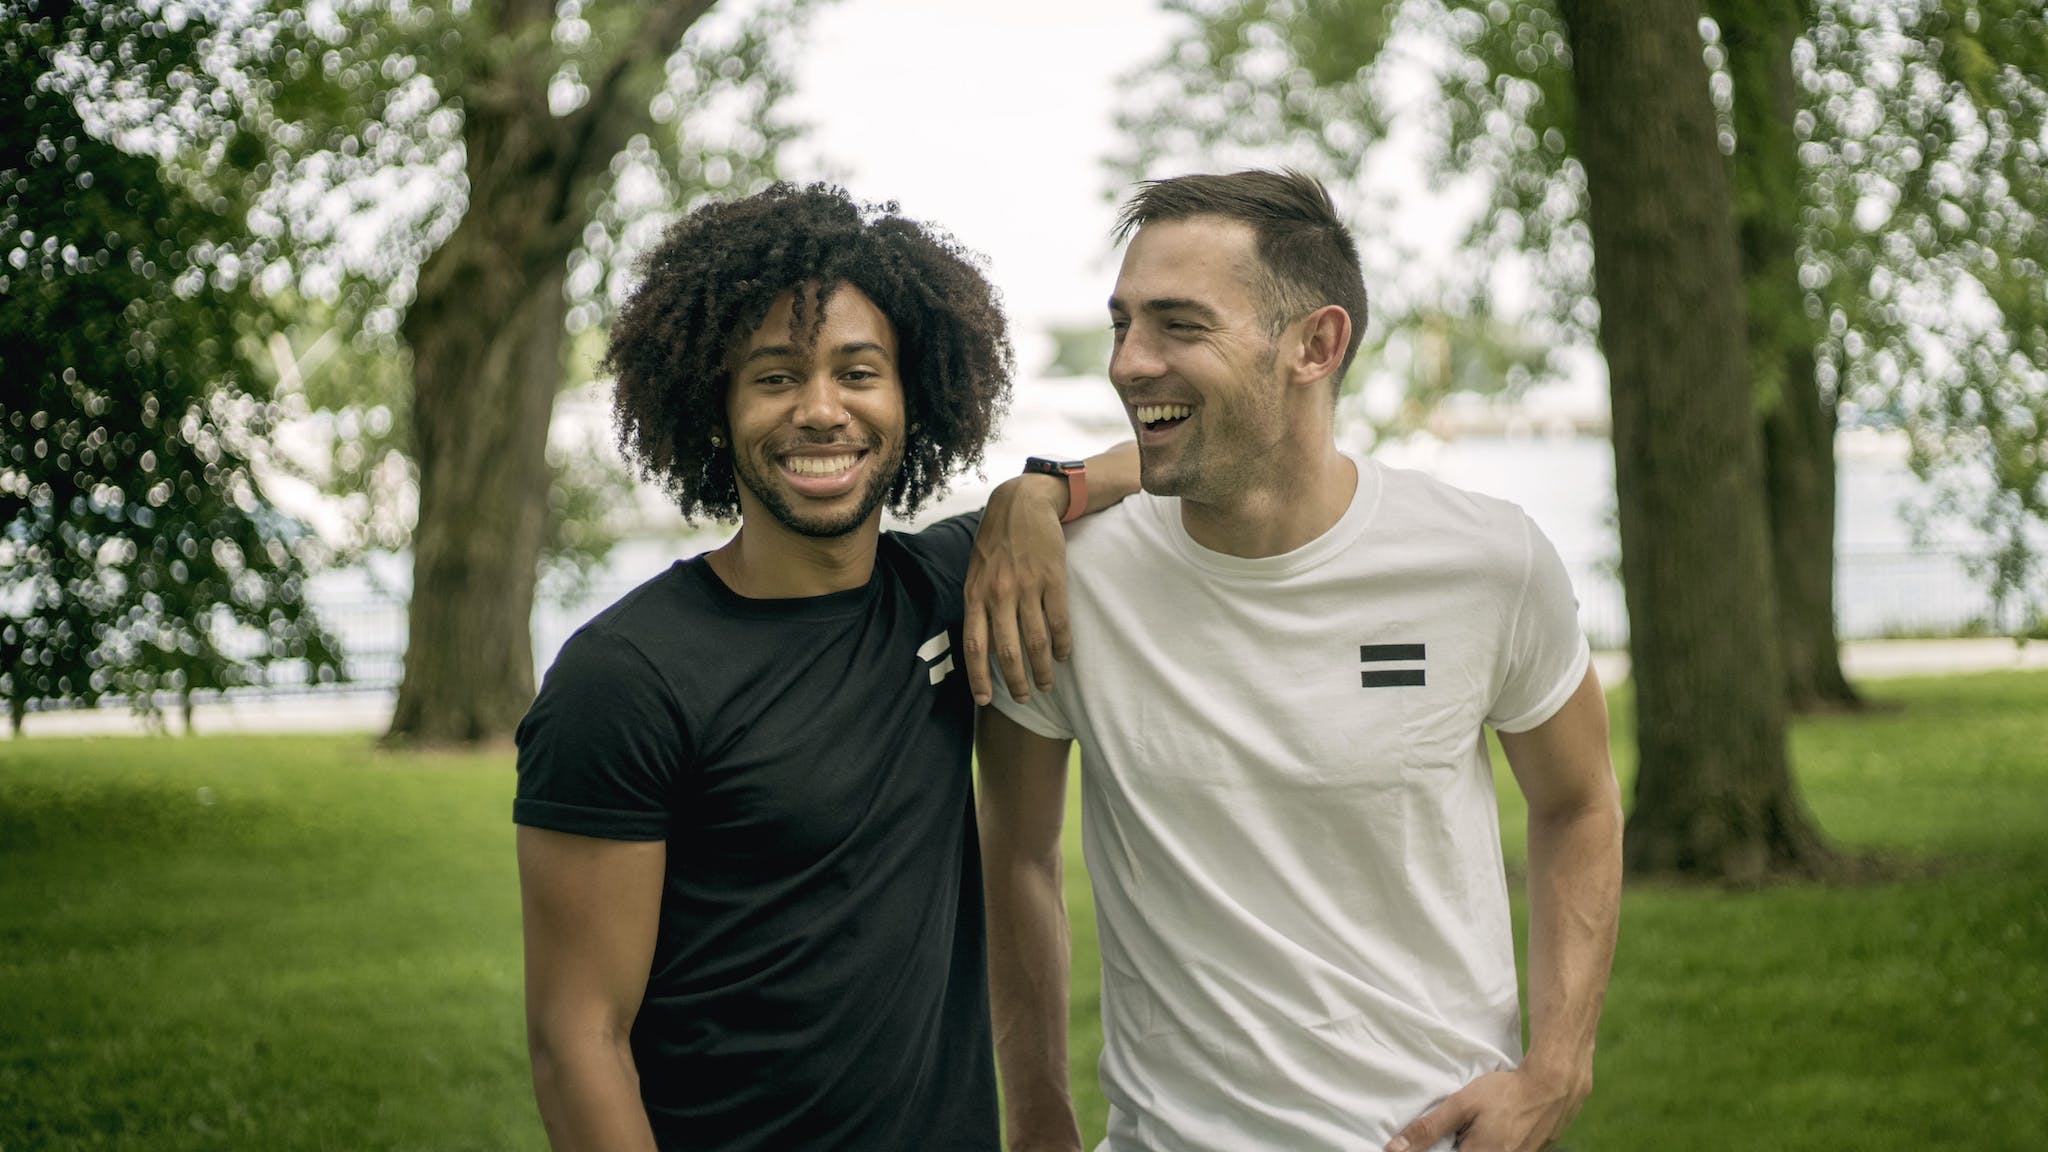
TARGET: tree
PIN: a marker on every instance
(455, 189)
(554, 103)
(1714, 794)
(1798, 417)
(1828, 109)
(1926, 133)
(486, 334)
(138, 552)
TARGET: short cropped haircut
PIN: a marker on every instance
(1307, 254)
(711, 283)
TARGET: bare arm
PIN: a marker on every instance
(1574, 880)
(590, 909)
(1022, 803)
(1575, 827)
(1017, 579)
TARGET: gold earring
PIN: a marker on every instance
(716, 442)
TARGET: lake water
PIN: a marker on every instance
(1887, 584)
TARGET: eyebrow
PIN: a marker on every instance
(1170, 304)
(787, 351)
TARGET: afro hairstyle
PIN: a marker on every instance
(711, 283)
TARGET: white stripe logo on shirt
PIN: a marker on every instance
(931, 650)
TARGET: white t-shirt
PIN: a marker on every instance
(1288, 811)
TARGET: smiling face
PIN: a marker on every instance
(816, 419)
(1195, 358)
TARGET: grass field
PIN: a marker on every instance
(300, 943)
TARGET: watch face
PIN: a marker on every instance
(1051, 467)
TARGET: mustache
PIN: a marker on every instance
(867, 443)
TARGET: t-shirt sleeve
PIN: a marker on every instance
(1043, 713)
(1547, 650)
(600, 750)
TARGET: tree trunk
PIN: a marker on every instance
(487, 341)
(483, 394)
(1714, 796)
(1799, 459)
(1798, 421)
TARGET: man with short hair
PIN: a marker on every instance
(748, 867)
(1284, 661)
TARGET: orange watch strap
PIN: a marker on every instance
(1077, 494)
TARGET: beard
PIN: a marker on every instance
(1248, 424)
(823, 526)
(1249, 433)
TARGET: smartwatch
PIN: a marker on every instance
(1076, 473)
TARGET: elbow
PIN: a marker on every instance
(1596, 806)
(1005, 861)
(556, 1047)
(550, 1056)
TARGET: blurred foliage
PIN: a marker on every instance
(216, 217)
(1079, 350)
(1922, 186)
(138, 553)
(330, 135)
(1438, 354)
(1926, 133)
(348, 145)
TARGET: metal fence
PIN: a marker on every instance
(1878, 595)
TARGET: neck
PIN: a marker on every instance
(770, 562)
(1300, 498)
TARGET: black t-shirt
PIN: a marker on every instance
(819, 977)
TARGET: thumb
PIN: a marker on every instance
(1425, 1130)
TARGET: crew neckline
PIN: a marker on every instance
(826, 606)
(1365, 501)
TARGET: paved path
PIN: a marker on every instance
(1878, 659)
(370, 711)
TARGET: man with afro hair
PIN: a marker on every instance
(747, 853)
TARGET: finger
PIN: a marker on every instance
(974, 650)
(1009, 650)
(1037, 644)
(1425, 1130)
(1056, 619)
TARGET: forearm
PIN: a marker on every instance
(1574, 909)
(588, 1090)
(1112, 475)
(1028, 962)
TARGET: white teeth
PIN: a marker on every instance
(1154, 413)
(818, 465)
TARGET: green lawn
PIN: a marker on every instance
(324, 956)
(299, 943)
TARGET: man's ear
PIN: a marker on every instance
(1325, 333)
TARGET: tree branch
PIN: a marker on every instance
(594, 133)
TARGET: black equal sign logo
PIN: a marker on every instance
(1389, 654)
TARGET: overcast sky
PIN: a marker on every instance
(990, 120)
(993, 120)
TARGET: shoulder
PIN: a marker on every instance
(677, 590)
(1419, 511)
(613, 644)
(612, 683)
(939, 549)
(1408, 492)
(1131, 526)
